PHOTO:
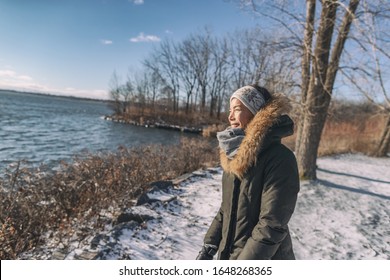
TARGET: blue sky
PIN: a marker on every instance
(72, 47)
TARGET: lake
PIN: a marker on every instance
(43, 129)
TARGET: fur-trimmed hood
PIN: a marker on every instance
(268, 125)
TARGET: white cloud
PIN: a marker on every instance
(10, 79)
(137, 2)
(7, 73)
(106, 42)
(145, 38)
(25, 78)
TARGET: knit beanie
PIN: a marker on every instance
(253, 97)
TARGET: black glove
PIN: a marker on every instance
(207, 253)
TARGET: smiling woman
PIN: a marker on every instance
(260, 182)
(239, 115)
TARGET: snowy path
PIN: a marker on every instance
(179, 233)
(343, 215)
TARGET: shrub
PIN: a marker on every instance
(41, 204)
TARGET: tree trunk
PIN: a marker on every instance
(317, 100)
(321, 84)
(306, 62)
(188, 103)
(384, 143)
(203, 98)
(313, 124)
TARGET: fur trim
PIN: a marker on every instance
(254, 136)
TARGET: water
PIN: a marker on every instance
(44, 129)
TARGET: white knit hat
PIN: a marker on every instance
(252, 98)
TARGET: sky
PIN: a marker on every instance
(73, 47)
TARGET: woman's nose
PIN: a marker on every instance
(231, 116)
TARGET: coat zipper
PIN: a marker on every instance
(233, 216)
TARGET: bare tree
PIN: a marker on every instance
(155, 84)
(187, 72)
(223, 74)
(320, 64)
(320, 85)
(199, 49)
(259, 57)
(142, 89)
(248, 59)
(306, 62)
(120, 93)
(369, 72)
(114, 91)
(219, 74)
(164, 61)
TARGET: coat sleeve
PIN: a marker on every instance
(214, 233)
(278, 199)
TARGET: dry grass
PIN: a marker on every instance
(355, 136)
(160, 114)
(34, 202)
(347, 136)
(351, 128)
(211, 130)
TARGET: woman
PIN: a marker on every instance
(260, 182)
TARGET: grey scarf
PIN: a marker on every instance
(230, 139)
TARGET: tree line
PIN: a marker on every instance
(313, 49)
(199, 73)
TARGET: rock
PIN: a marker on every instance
(86, 255)
(116, 232)
(111, 253)
(58, 255)
(161, 185)
(96, 240)
(143, 199)
(213, 170)
(182, 178)
(139, 214)
(158, 192)
(199, 173)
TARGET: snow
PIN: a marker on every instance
(342, 215)
(345, 214)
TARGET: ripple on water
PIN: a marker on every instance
(42, 129)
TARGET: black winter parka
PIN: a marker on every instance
(259, 191)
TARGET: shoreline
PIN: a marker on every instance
(150, 124)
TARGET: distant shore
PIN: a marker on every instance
(56, 95)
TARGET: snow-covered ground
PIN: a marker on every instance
(346, 214)
(343, 215)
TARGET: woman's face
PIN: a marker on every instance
(239, 115)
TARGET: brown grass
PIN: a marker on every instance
(347, 136)
(34, 202)
(161, 114)
(355, 136)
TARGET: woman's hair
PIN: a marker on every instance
(266, 94)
